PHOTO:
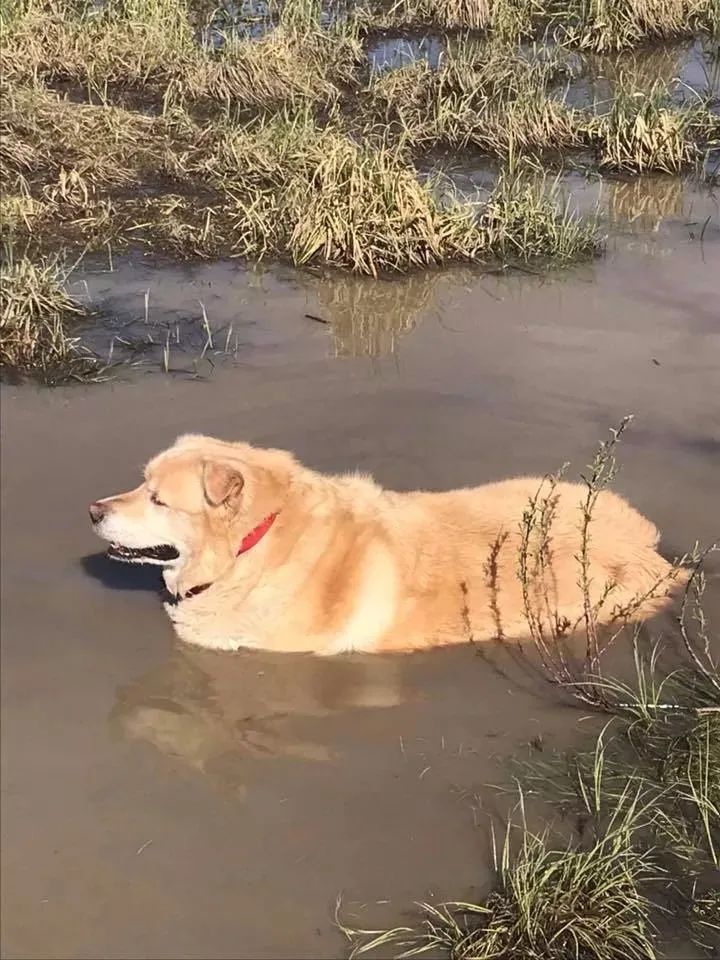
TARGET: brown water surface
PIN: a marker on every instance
(164, 802)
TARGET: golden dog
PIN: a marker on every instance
(259, 551)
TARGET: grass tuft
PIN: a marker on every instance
(612, 25)
(549, 901)
(644, 130)
(36, 317)
(488, 98)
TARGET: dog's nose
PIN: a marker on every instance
(97, 512)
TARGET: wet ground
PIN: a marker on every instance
(161, 801)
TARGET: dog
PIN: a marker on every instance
(259, 551)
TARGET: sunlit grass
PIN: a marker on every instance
(37, 317)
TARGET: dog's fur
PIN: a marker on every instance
(349, 566)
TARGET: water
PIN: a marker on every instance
(165, 801)
(195, 318)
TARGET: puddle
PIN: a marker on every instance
(252, 19)
(191, 319)
(248, 19)
(655, 207)
(216, 805)
(691, 71)
(393, 53)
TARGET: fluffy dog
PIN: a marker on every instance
(260, 551)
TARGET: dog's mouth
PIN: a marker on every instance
(162, 553)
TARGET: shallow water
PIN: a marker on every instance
(690, 69)
(161, 801)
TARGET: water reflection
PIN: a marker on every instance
(216, 712)
(369, 317)
(644, 202)
(689, 71)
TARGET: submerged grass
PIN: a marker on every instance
(37, 316)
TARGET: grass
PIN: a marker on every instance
(491, 99)
(550, 902)
(37, 318)
(641, 803)
(92, 168)
(125, 125)
(644, 130)
(447, 14)
(647, 802)
(149, 46)
(284, 186)
(613, 25)
(594, 25)
(320, 196)
(505, 105)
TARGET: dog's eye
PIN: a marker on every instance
(156, 500)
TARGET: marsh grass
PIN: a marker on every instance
(601, 26)
(363, 207)
(664, 739)
(257, 148)
(645, 801)
(493, 99)
(37, 318)
(614, 25)
(449, 14)
(644, 130)
(284, 186)
(121, 125)
(150, 45)
(498, 101)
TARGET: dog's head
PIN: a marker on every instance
(196, 502)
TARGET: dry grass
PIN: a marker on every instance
(645, 131)
(449, 14)
(36, 317)
(594, 25)
(322, 197)
(490, 99)
(150, 45)
(284, 186)
(210, 171)
(506, 20)
(507, 106)
(612, 25)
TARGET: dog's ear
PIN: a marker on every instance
(222, 483)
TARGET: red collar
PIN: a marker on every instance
(250, 539)
(247, 543)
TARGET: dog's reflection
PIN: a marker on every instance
(214, 712)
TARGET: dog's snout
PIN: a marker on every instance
(97, 511)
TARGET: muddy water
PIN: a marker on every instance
(161, 801)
